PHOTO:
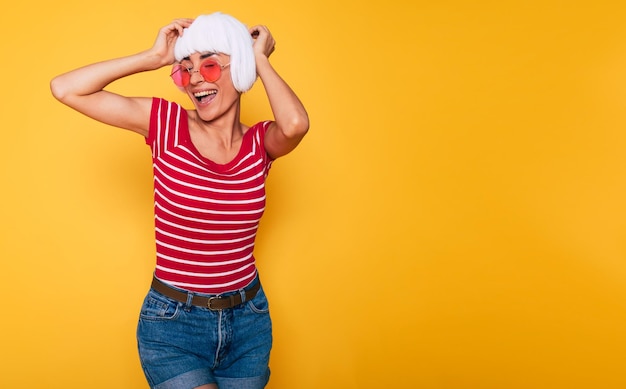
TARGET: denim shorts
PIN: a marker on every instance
(183, 346)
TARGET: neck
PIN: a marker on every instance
(225, 129)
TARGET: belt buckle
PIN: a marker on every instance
(208, 304)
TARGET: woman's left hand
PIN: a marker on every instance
(264, 43)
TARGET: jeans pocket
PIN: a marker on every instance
(159, 307)
(259, 303)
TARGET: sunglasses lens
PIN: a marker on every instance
(180, 75)
(210, 70)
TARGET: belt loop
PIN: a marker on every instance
(189, 299)
(242, 292)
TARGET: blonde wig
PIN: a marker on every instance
(221, 33)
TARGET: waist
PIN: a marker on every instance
(195, 276)
(212, 302)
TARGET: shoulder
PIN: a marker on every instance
(164, 110)
(159, 103)
(165, 117)
(257, 132)
(259, 128)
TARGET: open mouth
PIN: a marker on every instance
(205, 96)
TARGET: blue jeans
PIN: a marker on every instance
(183, 346)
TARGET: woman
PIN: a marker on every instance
(205, 321)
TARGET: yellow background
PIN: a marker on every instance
(455, 218)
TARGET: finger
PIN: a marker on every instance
(184, 21)
(181, 24)
(255, 31)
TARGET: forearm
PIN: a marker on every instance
(95, 77)
(289, 113)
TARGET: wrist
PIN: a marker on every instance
(152, 60)
(262, 63)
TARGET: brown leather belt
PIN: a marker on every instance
(213, 303)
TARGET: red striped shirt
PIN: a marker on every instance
(206, 214)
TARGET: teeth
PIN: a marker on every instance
(205, 93)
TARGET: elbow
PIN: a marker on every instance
(297, 128)
(58, 89)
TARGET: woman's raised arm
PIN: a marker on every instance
(83, 89)
(291, 121)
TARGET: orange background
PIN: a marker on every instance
(454, 219)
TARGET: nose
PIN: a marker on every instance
(199, 79)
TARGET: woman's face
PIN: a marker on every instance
(210, 86)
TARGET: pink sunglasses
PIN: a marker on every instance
(210, 70)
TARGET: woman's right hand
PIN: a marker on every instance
(163, 47)
(83, 88)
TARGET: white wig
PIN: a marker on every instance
(221, 33)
